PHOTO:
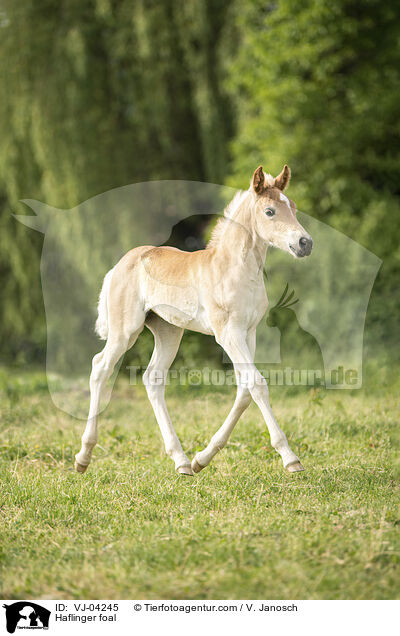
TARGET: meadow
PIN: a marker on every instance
(243, 528)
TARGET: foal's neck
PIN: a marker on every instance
(240, 246)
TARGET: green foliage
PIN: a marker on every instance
(98, 94)
(317, 86)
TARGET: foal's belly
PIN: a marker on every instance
(200, 326)
(193, 315)
(179, 318)
(200, 322)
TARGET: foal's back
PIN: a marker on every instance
(163, 279)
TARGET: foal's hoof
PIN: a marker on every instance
(196, 466)
(185, 470)
(79, 468)
(295, 468)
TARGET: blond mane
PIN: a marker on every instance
(230, 212)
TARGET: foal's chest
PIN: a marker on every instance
(253, 305)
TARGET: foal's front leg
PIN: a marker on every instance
(234, 342)
(221, 437)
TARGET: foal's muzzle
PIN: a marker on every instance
(303, 247)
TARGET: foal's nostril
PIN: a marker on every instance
(305, 245)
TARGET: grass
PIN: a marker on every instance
(243, 528)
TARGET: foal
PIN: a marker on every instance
(217, 291)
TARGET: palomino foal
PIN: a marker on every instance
(218, 291)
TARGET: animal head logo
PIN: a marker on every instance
(26, 615)
(298, 347)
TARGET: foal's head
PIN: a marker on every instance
(275, 215)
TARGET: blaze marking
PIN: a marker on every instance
(284, 198)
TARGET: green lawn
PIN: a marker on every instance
(243, 528)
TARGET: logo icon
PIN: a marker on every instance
(26, 615)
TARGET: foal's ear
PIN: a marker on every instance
(282, 180)
(258, 180)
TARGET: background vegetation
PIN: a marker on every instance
(100, 93)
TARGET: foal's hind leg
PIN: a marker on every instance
(102, 367)
(167, 338)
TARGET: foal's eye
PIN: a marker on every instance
(269, 211)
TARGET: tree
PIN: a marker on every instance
(97, 94)
(317, 86)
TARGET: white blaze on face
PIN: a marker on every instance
(284, 198)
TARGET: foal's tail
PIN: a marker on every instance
(101, 327)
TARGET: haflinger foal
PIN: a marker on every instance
(217, 291)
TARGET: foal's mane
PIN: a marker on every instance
(230, 213)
